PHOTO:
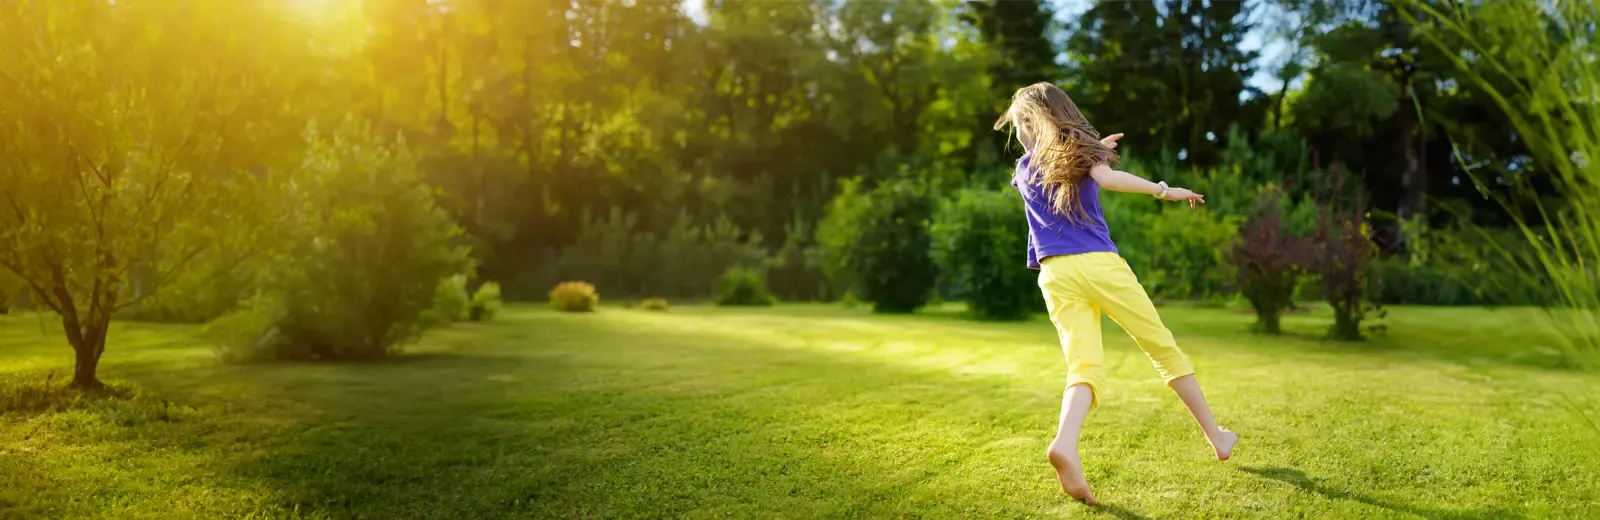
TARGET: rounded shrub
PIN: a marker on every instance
(742, 286)
(980, 238)
(574, 297)
(654, 304)
(369, 251)
(485, 304)
(877, 243)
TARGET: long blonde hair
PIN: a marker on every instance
(1065, 145)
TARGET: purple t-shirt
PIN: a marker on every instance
(1050, 234)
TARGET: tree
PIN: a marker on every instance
(1018, 34)
(1370, 73)
(127, 145)
(1377, 95)
(1173, 71)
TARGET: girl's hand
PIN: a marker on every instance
(1181, 194)
(1111, 141)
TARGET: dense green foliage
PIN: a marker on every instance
(617, 255)
(976, 237)
(879, 242)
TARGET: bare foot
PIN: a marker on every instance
(1224, 443)
(1070, 472)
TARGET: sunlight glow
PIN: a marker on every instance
(321, 10)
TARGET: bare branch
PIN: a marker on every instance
(83, 187)
(16, 207)
(37, 290)
(167, 277)
(163, 279)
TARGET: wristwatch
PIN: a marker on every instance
(1163, 193)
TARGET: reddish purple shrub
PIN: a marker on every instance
(1269, 260)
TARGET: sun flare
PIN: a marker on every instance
(320, 10)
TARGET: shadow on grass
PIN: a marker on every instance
(1118, 511)
(1474, 353)
(1299, 479)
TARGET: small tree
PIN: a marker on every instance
(979, 238)
(1269, 260)
(1341, 253)
(371, 252)
(129, 146)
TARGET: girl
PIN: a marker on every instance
(1064, 166)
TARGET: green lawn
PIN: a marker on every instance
(808, 411)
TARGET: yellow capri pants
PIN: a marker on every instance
(1077, 288)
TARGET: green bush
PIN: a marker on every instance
(574, 297)
(1180, 253)
(450, 302)
(1460, 267)
(1398, 282)
(485, 303)
(654, 304)
(878, 245)
(742, 286)
(369, 252)
(980, 237)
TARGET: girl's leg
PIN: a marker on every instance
(1078, 323)
(1063, 451)
(1118, 292)
(1222, 440)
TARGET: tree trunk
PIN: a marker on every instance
(88, 349)
(1346, 323)
(1268, 322)
(1413, 183)
(1414, 178)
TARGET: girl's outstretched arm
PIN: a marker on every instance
(1116, 180)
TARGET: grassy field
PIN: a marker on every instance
(807, 411)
